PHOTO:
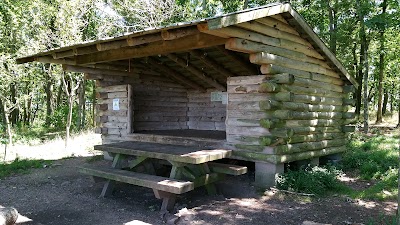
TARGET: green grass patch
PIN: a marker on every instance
(376, 159)
(311, 180)
(20, 166)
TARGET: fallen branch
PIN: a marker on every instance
(291, 192)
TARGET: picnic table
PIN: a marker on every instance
(192, 167)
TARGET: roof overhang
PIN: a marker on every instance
(181, 37)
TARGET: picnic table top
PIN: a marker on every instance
(175, 153)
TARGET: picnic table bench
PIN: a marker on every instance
(192, 167)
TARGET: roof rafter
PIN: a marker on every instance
(156, 48)
(198, 73)
(211, 63)
(169, 72)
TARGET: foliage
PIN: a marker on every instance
(312, 180)
(20, 166)
(375, 159)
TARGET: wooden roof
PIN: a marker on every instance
(192, 53)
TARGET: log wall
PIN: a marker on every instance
(296, 109)
(204, 114)
(160, 105)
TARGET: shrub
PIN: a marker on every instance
(312, 180)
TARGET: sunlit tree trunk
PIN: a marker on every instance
(381, 65)
(8, 124)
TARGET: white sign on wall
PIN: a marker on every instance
(219, 97)
(116, 104)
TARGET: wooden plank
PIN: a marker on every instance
(114, 88)
(177, 153)
(227, 168)
(247, 80)
(261, 28)
(81, 69)
(156, 48)
(277, 24)
(144, 180)
(272, 41)
(235, 18)
(246, 46)
(266, 58)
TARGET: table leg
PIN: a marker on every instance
(168, 202)
(210, 187)
(109, 185)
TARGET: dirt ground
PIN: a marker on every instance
(58, 194)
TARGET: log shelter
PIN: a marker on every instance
(259, 82)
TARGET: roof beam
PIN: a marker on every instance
(171, 73)
(211, 63)
(241, 17)
(198, 73)
(251, 68)
(157, 48)
(81, 69)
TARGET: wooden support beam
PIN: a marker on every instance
(48, 59)
(211, 63)
(81, 69)
(277, 24)
(246, 46)
(266, 58)
(149, 38)
(251, 68)
(235, 18)
(169, 72)
(173, 34)
(268, 40)
(156, 48)
(181, 62)
(261, 28)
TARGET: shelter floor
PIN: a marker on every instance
(209, 134)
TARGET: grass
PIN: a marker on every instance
(311, 180)
(373, 158)
(20, 166)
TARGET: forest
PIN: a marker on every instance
(38, 98)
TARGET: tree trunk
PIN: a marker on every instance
(59, 93)
(365, 80)
(332, 11)
(8, 125)
(14, 113)
(81, 107)
(385, 102)
(49, 96)
(69, 119)
(363, 71)
(357, 95)
(246, 4)
(381, 65)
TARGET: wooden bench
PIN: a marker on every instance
(164, 188)
(227, 168)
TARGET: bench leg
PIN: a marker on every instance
(168, 202)
(211, 189)
(109, 185)
(107, 188)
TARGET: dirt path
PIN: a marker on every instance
(60, 195)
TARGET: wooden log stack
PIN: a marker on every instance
(297, 109)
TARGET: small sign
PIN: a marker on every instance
(219, 97)
(224, 98)
(116, 104)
